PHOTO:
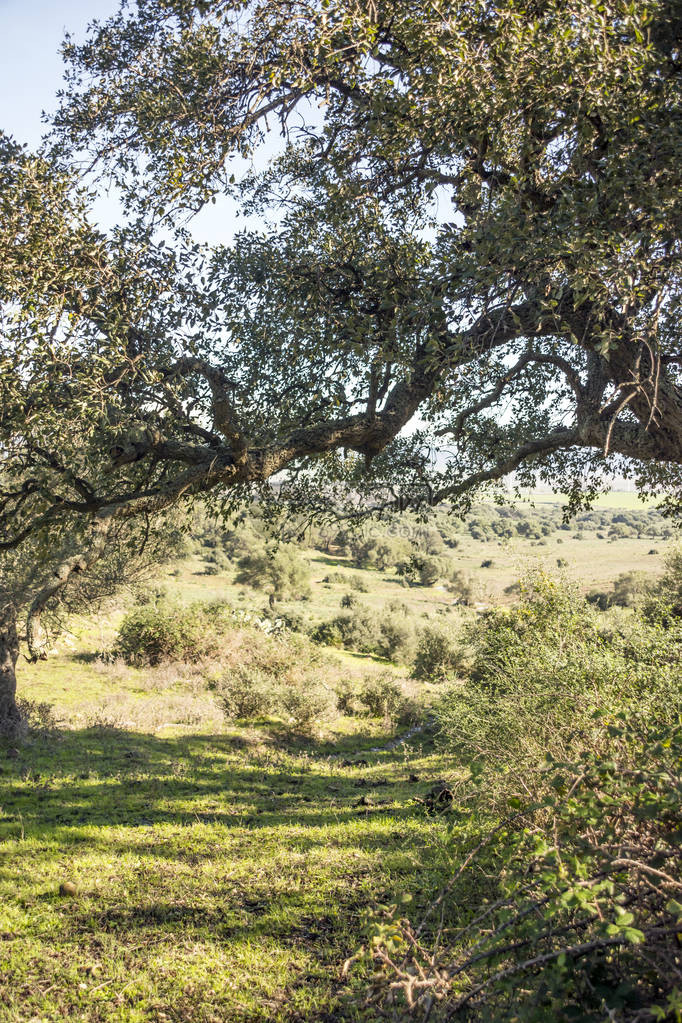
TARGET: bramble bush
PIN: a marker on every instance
(390, 634)
(542, 667)
(355, 581)
(276, 675)
(663, 604)
(583, 907)
(379, 696)
(438, 656)
(569, 908)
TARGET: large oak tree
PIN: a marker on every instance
(473, 245)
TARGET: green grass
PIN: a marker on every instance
(224, 872)
(220, 877)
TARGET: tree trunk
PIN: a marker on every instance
(10, 718)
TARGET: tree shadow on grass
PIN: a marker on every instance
(195, 842)
(106, 777)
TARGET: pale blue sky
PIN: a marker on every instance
(31, 32)
(31, 70)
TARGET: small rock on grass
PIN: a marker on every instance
(68, 888)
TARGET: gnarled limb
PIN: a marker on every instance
(94, 546)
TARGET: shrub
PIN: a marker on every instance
(437, 656)
(396, 637)
(218, 559)
(513, 588)
(580, 906)
(356, 582)
(328, 634)
(274, 675)
(246, 693)
(281, 572)
(305, 707)
(381, 696)
(664, 601)
(629, 587)
(540, 669)
(487, 563)
(347, 699)
(389, 635)
(461, 587)
(422, 569)
(569, 908)
(167, 631)
(349, 600)
(376, 553)
(356, 630)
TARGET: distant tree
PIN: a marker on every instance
(281, 572)
(422, 570)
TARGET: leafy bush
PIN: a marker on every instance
(377, 553)
(280, 571)
(664, 603)
(422, 569)
(380, 696)
(305, 706)
(438, 657)
(274, 675)
(167, 631)
(246, 693)
(627, 590)
(461, 586)
(217, 558)
(582, 905)
(396, 638)
(570, 908)
(356, 630)
(356, 582)
(390, 635)
(541, 668)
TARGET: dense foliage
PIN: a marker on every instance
(571, 723)
(483, 212)
(584, 909)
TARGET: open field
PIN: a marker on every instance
(625, 499)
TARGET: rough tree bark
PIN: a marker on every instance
(10, 717)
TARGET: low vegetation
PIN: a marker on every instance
(570, 905)
(405, 804)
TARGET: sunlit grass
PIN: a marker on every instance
(218, 877)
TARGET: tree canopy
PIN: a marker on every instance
(473, 246)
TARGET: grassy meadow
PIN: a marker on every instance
(163, 861)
